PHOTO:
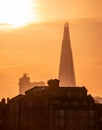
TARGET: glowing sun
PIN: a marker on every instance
(16, 12)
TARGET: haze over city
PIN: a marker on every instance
(31, 38)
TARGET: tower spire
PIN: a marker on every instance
(66, 69)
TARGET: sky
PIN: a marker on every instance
(31, 38)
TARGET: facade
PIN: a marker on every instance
(98, 108)
(4, 115)
(25, 84)
(66, 69)
(55, 108)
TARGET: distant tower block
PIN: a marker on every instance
(25, 84)
(66, 69)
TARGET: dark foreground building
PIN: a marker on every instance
(4, 115)
(53, 108)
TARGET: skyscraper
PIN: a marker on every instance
(66, 69)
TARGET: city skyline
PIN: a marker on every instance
(35, 47)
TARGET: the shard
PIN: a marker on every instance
(66, 69)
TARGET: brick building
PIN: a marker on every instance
(55, 108)
(4, 115)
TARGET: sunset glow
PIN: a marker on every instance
(15, 13)
(31, 34)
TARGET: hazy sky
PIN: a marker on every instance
(35, 48)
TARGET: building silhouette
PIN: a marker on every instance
(4, 115)
(66, 69)
(25, 84)
(51, 108)
(55, 108)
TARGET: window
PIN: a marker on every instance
(101, 119)
(61, 123)
(84, 103)
(75, 103)
(91, 114)
(56, 102)
(70, 113)
(61, 114)
(69, 94)
(11, 108)
(30, 115)
(91, 123)
(0, 113)
(82, 113)
(30, 105)
(66, 103)
(17, 107)
(82, 122)
(70, 122)
(53, 93)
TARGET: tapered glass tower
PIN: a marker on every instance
(66, 69)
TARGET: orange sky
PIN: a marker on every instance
(35, 48)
